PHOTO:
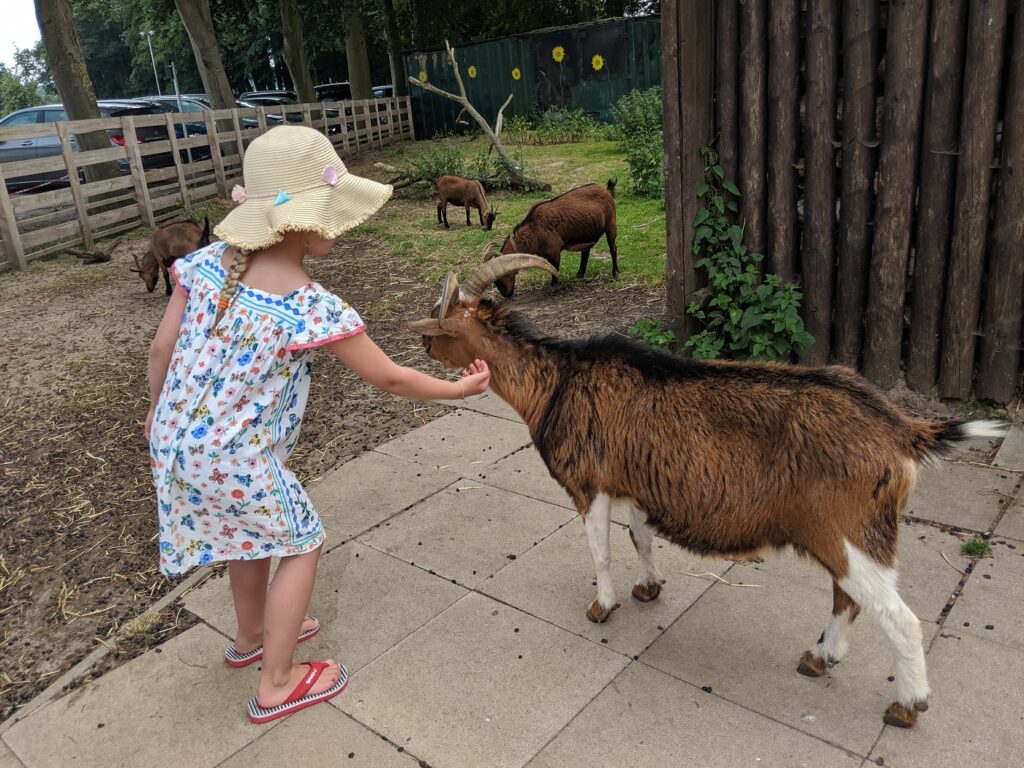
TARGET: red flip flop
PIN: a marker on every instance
(235, 659)
(298, 699)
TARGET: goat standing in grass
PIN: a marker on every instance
(572, 221)
(721, 458)
(167, 244)
(465, 192)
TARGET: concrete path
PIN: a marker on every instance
(454, 588)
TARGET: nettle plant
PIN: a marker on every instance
(745, 315)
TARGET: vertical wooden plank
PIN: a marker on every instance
(727, 44)
(818, 258)
(215, 155)
(986, 31)
(74, 184)
(860, 59)
(307, 117)
(238, 139)
(186, 198)
(938, 183)
(14, 252)
(327, 121)
(376, 119)
(783, 131)
(906, 39)
(999, 361)
(401, 117)
(412, 125)
(261, 119)
(391, 119)
(138, 171)
(753, 116)
(672, 137)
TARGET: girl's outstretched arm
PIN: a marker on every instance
(373, 366)
(162, 348)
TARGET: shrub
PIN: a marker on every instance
(637, 117)
(638, 113)
(646, 168)
(441, 161)
(744, 316)
(555, 126)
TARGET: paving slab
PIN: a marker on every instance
(993, 596)
(492, 405)
(366, 602)
(468, 532)
(524, 472)
(1011, 453)
(1012, 524)
(181, 706)
(461, 442)
(361, 493)
(960, 494)
(974, 717)
(745, 644)
(483, 684)
(320, 736)
(7, 758)
(647, 718)
(555, 581)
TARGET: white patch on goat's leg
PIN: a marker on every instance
(649, 580)
(597, 526)
(833, 644)
(874, 586)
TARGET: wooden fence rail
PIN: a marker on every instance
(879, 147)
(158, 178)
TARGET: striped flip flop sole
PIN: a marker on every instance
(258, 714)
(235, 659)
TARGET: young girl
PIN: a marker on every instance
(229, 373)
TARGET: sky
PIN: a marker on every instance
(19, 28)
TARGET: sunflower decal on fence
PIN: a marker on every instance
(471, 71)
(516, 74)
(597, 62)
(558, 53)
(423, 75)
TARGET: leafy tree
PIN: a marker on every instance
(28, 82)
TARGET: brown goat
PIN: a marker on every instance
(167, 244)
(571, 221)
(721, 458)
(465, 192)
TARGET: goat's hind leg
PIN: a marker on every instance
(596, 520)
(832, 645)
(168, 288)
(649, 581)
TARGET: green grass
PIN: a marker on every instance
(975, 547)
(409, 226)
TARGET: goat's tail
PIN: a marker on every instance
(935, 439)
(611, 185)
(204, 239)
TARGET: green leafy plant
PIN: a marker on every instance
(744, 316)
(554, 126)
(976, 548)
(439, 162)
(654, 332)
(638, 113)
(638, 128)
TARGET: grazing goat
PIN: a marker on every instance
(167, 244)
(465, 192)
(571, 221)
(721, 458)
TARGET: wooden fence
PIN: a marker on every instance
(879, 147)
(34, 223)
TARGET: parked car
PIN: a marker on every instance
(290, 95)
(282, 98)
(328, 92)
(202, 98)
(272, 119)
(47, 146)
(170, 104)
(383, 91)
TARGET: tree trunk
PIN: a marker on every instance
(860, 57)
(783, 131)
(358, 59)
(907, 37)
(938, 181)
(64, 53)
(1002, 341)
(727, 84)
(295, 51)
(818, 267)
(395, 49)
(754, 97)
(195, 15)
(986, 32)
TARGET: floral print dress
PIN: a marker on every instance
(229, 415)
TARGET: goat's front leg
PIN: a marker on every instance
(468, 220)
(168, 288)
(648, 583)
(596, 521)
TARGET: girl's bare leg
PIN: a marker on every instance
(249, 589)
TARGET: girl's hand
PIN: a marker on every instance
(149, 421)
(476, 378)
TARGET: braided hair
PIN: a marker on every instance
(227, 293)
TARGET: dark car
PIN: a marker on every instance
(272, 119)
(273, 99)
(290, 95)
(329, 92)
(49, 146)
(170, 105)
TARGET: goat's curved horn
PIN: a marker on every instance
(136, 257)
(487, 248)
(500, 266)
(448, 290)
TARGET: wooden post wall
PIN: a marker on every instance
(727, 43)
(753, 116)
(783, 131)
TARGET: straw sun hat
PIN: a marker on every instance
(295, 181)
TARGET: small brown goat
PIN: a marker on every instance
(721, 458)
(167, 244)
(571, 221)
(465, 192)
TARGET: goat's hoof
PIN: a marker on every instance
(921, 706)
(645, 593)
(900, 716)
(811, 665)
(599, 614)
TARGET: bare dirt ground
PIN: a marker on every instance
(78, 557)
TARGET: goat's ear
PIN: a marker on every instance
(429, 327)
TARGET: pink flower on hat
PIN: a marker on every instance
(238, 193)
(330, 175)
